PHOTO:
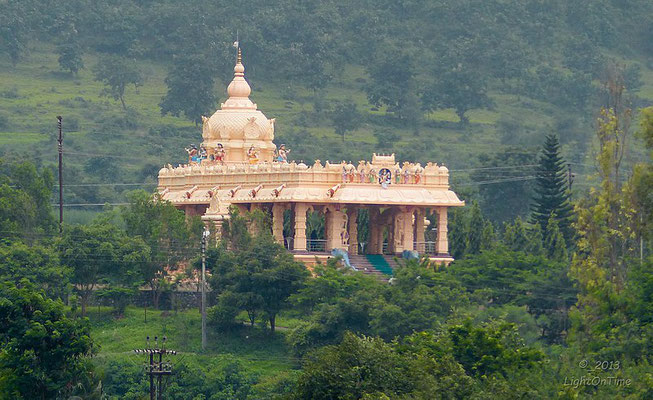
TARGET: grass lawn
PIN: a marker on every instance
(257, 349)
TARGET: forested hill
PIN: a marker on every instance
(466, 82)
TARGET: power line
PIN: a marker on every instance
(491, 182)
(494, 168)
(111, 184)
(102, 155)
(90, 204)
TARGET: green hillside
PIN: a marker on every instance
(518, 72)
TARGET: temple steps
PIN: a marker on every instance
(372, 265)
(391, 260)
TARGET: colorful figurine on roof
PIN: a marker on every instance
(282, 154)
(219, 154)
(252, 155)
(192, 154)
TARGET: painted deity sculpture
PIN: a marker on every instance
(282, 154)
(192, 154)
(252, 155)
(220, 154)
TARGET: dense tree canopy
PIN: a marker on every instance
(44, 353)
(25, 200)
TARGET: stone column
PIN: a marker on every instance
(277, 222)
(419, 230)
(408, 234)
(442, 244)
(353, 230)
(217, 229)
(397, 238)
(328, 228)
(335, 225)
(374, 232)
(299, 242)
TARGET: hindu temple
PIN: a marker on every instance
(238, 164)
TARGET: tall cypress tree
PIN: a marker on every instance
(475, 231)
(551, 194)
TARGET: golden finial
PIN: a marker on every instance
(239, 60)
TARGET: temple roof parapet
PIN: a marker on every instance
(431, 169)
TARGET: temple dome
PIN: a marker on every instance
(237, 125)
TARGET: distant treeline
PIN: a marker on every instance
(310, 41)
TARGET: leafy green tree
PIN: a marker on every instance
(604, 223)
(551, 194)
(166, 231)
(259, 277)
(475, 231)
(642, 180)
(25, 200)
(515, 236)
(392, 81)
(117, 73)
(101, 253)
(490, 350)
(498, 277)
(190, 87)
(37, 263)
(353, 369)
(581, 54)
(611, 312)
(457, 228)
(488, 236)
(70, 56)
(535, 240)
(418, 299)
(44, 353)
(222, 316)
(554, 241)
(336, 300)
(345, 118)
(456, 85)
(14, 33)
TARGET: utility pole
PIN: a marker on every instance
(157, 367)
(205, 236)
(60, 149)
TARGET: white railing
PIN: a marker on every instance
(425, 247)
(316, 245)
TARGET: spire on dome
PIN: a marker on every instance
(239, 90)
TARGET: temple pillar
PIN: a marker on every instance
(299, 242)
(442, 244)
(352, 217)
(277, 222)
(419, 230)
(375, 238)
(336, 225)
(402, 238)
(396, 239)
(242, 208)
(217, 229)
(408, 233)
